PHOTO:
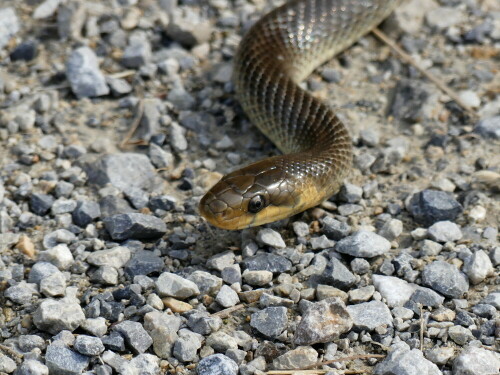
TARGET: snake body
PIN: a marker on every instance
(278, 52)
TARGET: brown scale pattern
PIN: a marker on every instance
(279, 51)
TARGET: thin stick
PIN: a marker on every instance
(226, 312)
(421, 327)
(351, 358)
(409, 60)
(135, 124)
(12, 353)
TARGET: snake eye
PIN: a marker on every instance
(256, 204)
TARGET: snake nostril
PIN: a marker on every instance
(217, 206)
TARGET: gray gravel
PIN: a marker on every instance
(106, 266)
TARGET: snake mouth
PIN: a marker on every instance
(216, 213)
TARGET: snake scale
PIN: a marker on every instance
(274, 56)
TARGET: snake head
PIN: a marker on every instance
(257, 194)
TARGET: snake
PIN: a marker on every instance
(276, 54)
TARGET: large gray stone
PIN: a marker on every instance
(54, 316)
(85, 78)
(445, 278)
(322, 322)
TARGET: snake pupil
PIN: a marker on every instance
(256, 204)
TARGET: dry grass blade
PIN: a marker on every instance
(134, 125)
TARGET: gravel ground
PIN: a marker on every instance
(106, 267)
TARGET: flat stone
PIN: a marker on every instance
(160, 157)
(231, 274)
(206, 282)
(409, 16)
(53, 285)
(460, 335)
(334, 229)
(7, 365)
(111, 205)
(270, 322)
(41, 270)
(116, 257)
(444, 17)
(126, 171)
(118, 86)
(440, 355)
(267, 262)
(187, 28)
(370, 315)
(300, 228)
(475, 361)
(427, 297)
(135, 335)
(489, 127)
(220, 261)
(363, 244)
(144, 263)
(95, 326)
(270, 237)
(203, 323)
(403, 361)
(444, 231)
(217, 364)
(431, 206)
(391, 229)
(395, 291)
(337, 274)
(227, 297)
(134, 225)
(41, 204)
(21, 293)
(360, 266)
(85, 213)
(478, 267)
(88, 345)
(413, 101)
(445, 279)
(82, 70)
(171, 285)
(362, 294)
(63, 361)
(350, 193)
(137, 54)
(54, 316)
(32, 367)
(257, 278)
(297, 358)
(221, 341)
(323, 322)
(492, 299)
(9, 25)
(187, 345)
(59, 255)
(321, 242)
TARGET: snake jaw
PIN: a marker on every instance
(226, 205)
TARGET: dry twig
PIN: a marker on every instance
(226, 312)
(12, 353)
(421, 327)
(343, 359)
(409, 60)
